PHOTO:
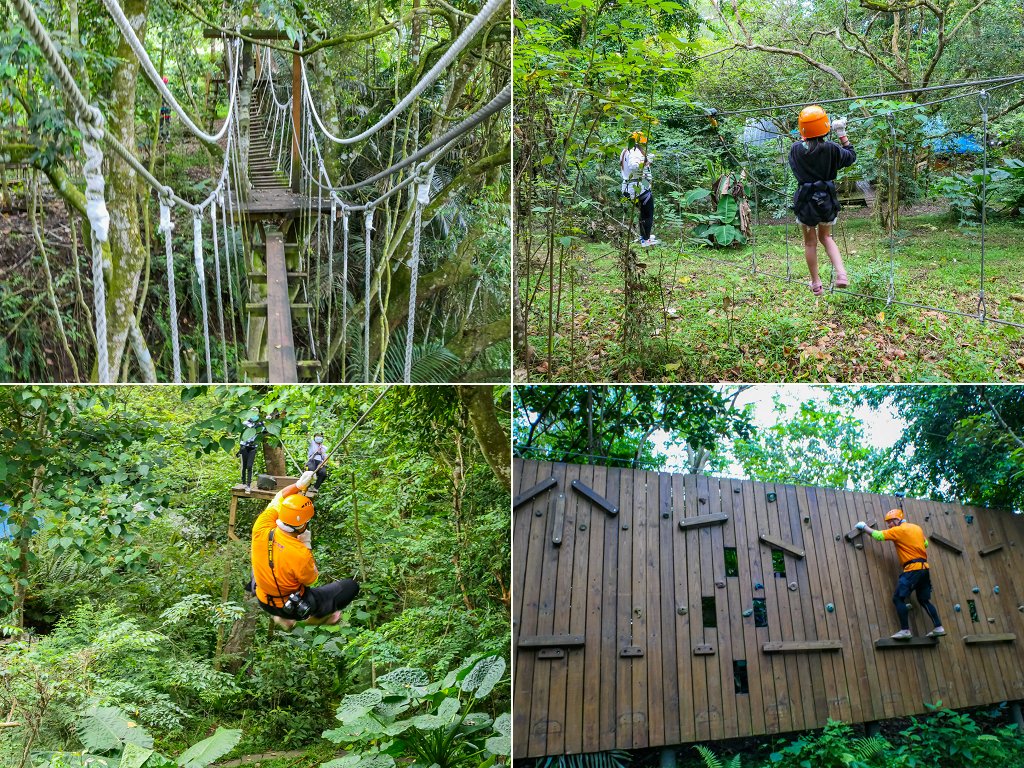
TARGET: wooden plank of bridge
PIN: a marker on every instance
(641, 714)
(594, 681)
(525, 584)
(610, 679)
(624, 618)
(280, 342)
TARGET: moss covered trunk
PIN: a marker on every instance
(127, 255)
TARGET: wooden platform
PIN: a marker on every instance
(238, 492)
(694, 622)
(277, 202)
(280, 344)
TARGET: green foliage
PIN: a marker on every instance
(956, 740)
(968, 193)
(433, 723)
(833, 747)
(108, 729)
(712, 761)
(612, 758)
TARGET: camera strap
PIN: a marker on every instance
(270, 562)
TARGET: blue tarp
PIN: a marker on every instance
(4, 530)
(761, 131)
(945, 143)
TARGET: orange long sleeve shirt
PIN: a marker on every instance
(294, 566)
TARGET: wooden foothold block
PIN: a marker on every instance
(1003, 637)
(986, 551)
(595, 498)
(701, 521)
(914, 642)
(851, 535)
(785, 546)
(533, 491)
(802, 646)
(631, 652)
(551, 653)
(552, 641)
(559, 522)
(944, 542)
(705, 649)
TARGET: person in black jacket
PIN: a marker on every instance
(815, 163)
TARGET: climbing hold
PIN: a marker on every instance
(991, 620)
(927, 518)
(625, 526)
(969, 518)
(748, 612)
(957, 607)
(758, 585)
(539, 513)
(792, 586)
(975, 590)
(583, 526)
(720, 584)
(830, 608)
(807, 518)
(665, 515)
(839, 536)
(702, 500)
(682, 610)
(1020, 608)
(995, 589)
(858, 546)
(772, 496)
(737, 490)
(909, 606)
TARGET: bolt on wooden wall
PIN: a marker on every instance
(635, 625)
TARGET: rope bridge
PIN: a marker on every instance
(273, 212)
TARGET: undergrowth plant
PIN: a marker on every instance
(435, 724)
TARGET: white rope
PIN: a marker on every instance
(368, 268)
(422, 198)
(197, 244)
(344, 286)
(99, 224)
(166, 226)
(220, 302)
(231, 281)
(154, 77)
(425, 82)
(330, 269)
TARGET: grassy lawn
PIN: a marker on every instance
(702, 320)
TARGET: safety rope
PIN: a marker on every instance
(197, 246)
(330, 269)
(425, 82)
(983, 99)
(422, 198)
(219, 298)
(166, 226)
(344, 287)
(368, 270)
(894, 206)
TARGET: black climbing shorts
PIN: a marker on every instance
(323, 600)
(918, 582)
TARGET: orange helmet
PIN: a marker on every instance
(894, 514)
(813, 122)
(296, 510)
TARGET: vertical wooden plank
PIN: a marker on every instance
(819, 566)
(705, 537)
(656, 640)
(670, 704)
(699, 664)
(724, 609)
(638, 536)
(610, 617)
(781, 715)
(624, 614)
(732, 505)
(813, 698)
(526, 589)
(760, 680)
(593, 681)
(562, 705)
(543, 720)
(684, 615)
(1011, 530)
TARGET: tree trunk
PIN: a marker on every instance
(273, 455)
(127, 255)
(491, 436)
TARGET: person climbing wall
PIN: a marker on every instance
(283, 566)
(815, 163)
(165, 119)
(247, 448)
(635, 165)
(316, 457)
(911, 547)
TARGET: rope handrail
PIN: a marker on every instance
(425, 82)
(122, 22)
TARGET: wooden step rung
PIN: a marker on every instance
(261, 368)
(802, 646)
(259, 308)
(261, 277)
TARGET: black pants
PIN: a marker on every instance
(920, 583)
(323, 600)
(321, 474)
(646, 203)
(248, 454)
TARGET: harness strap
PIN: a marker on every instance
(915, 560)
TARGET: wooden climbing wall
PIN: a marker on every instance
(629, 629)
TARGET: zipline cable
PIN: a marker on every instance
(360, 420)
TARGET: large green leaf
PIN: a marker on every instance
(134, 756)
(357, 705)
(501, 742)
(408, 680)
(727, 208)
(106, 729)
(485, 675)
(372, 760)
(206, 751)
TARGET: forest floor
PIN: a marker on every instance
(703, 315)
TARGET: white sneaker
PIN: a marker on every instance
(646, 243)
(937, 632)
(652, 240)
(903, 634)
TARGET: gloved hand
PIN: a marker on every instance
(303, 482)
(861, 525)
(306, 537)
(839, 128)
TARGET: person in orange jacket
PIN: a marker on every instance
(283, 566)
(911, 547)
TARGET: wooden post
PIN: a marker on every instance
(668, 757)
(296, 121)
(1018, 718)
(232, 511)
